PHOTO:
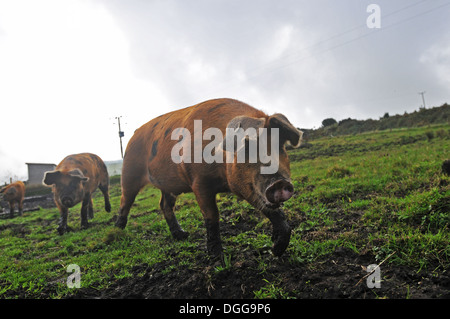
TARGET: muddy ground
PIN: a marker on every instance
(337, 275)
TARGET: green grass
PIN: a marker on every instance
(377, 193)
(392, 178)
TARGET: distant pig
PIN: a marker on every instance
(162, 153)
(75, 180)
(14, 193)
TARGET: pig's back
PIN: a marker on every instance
(91, 166)
(148, 154)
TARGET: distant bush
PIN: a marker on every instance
(328, 122)
(422, 117)
(114, 179)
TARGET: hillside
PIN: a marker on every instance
(422, 117)
(374, 198)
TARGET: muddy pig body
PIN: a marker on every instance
(74, 180)
(153, 156)
(14, 193)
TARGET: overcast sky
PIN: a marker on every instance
(69, 67)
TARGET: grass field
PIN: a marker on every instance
(374, 198)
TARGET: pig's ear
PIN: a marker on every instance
(51, 178)
(243, 122)
(78, 174)
(288, 133)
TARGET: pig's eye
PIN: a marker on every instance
(73, 184)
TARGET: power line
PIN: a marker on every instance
(338, 35)
(365, 35)
(301, 58)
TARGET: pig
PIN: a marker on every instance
(149, 160)
(74, 180)
(14, 193)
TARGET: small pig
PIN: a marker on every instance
(14, 193)
(75, 180)
(153, 157)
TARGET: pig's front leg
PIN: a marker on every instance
(208, 206)
(11, 209)
(214, 243)
(62, 227)
(281, 233)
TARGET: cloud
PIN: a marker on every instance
(437, 57)
(64, 75)
(308, 60)
(199, 51)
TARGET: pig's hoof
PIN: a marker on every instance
(215, 251)
(121, 222)
(180, 234)
(281, 241)
(63, 230)
(279, 248)
(217, 258)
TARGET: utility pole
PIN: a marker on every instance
(121, 134)
(423, 98)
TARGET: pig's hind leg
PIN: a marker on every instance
(104, 189)
(86, 209)
(90, 209)
(134, 177)
(129, 193)
(21, 207)
(166, 203)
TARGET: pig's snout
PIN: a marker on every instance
(279, 192)
(67, 201)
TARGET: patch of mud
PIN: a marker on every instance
(252, 273)
(338, 276)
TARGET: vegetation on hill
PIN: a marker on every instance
(422, 117)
